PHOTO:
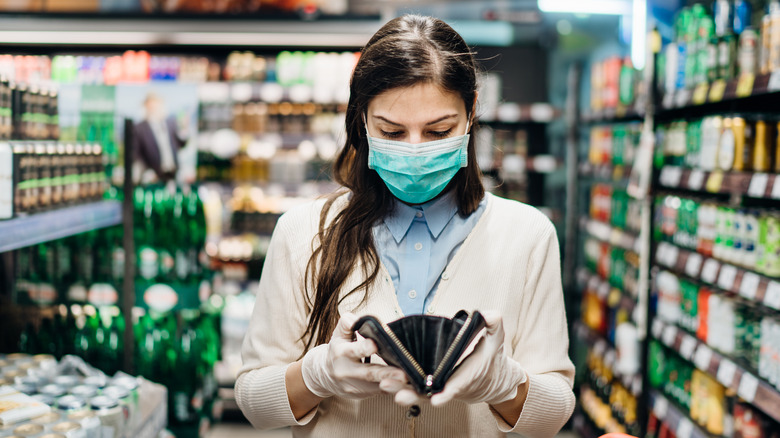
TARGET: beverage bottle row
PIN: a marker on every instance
(742, 236)
(618, 266)
(723, 323)
(170, 236)
(716, 409)
(614, 145)
(614, 206)
(609, 399)
(48, 175)
(721, 42)
(27, 112)
(613, 83)
(729, 142)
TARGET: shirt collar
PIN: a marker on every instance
(437, 214)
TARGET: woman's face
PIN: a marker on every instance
(420, 113)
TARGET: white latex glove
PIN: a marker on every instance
(335, 369)
(487, 375)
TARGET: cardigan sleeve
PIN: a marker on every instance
(542, 343)
(278, 320)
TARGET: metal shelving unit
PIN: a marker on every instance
(51, 225)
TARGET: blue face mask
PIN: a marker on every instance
(417, 173)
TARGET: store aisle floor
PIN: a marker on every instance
(241, 430)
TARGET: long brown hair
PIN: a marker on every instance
(408, 50)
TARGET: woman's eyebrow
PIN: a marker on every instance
(433, 122)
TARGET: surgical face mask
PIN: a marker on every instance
(417, 173)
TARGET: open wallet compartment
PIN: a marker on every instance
(428, 348)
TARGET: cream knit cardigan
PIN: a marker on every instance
(509, 262)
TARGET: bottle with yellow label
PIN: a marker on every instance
(741, 131)
(726, 149)
(777, 150)
(762, 148)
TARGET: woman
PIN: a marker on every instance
(413, 233)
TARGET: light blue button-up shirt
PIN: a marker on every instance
(415, 243)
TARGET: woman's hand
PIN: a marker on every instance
(335, 369)
(487, 375)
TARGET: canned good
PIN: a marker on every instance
(89, 422)
(70, 429)
(122, 395)
(84, 391)
(110, 414)
(53, 435)
(71, 403)
(50, 418)
(45, 361)
(13, 374)
(53, 390)
(29, 429)
(67, 381)
(4, 363)
(36, 381)
(131, 385)
(25, 388)
(27, 366)
(44, 398)
(18, 357)
(99, 382)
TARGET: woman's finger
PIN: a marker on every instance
(344, 326)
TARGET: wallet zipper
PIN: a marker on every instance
(429, 378)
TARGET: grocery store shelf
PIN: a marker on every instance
(510, 113)
(759, 393)
(602, 348)
(675, 419)
(754, 287)
(616, 173)
(148, 31)
(56, 224)
(710, 94)
(604, 287)
(614, 115)
(582, 425)
(754, 185)
(612, 235)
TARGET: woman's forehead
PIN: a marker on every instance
(419, 101)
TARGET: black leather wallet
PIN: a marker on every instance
(428, 348)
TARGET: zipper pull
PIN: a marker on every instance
(429, 384)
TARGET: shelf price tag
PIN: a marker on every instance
(748, 385)
(682, 98)
(776, 188)
(687, 346)
(758, 183)
(709, 273)
(670, 334)
(772, 297)
(700, 93)
(660, 252)
(745, 85)
(657, 329)
(693, 265)
(717, 90)
(703, 357)
(726, 372)
(675, 176)
(684, 428)
(660, 407)
(696, 179)
(774, 82)
(715, 181)
(674, 252)
(728, 274)
(749, 285)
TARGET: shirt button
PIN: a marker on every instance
(412, 294)
(445, 276)
(418, 214)
(430, 309)
(418, 246)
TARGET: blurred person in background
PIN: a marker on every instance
(413, 232)
(157, 141)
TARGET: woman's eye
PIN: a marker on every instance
(394, 134)
(441, 134)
